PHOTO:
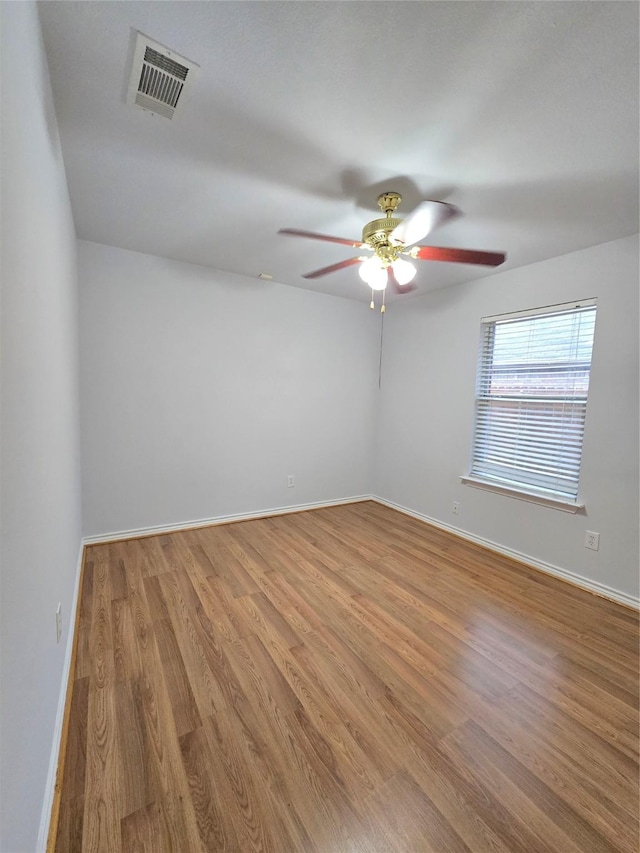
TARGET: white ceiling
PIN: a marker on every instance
(523, 114)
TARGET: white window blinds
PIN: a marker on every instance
(531, 399)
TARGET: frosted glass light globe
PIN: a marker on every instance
(403, 271)
(373, 274)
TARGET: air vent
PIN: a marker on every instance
(160, 78)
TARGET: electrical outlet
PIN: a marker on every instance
(291, 481)
(455, 509)
(592, 540)
(58, 623)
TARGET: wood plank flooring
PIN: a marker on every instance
(341, 680)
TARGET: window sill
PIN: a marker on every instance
(530, 497)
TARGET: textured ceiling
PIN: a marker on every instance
(523, 114)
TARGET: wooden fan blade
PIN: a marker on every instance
(333, 268)
(395, 284)
(295, 232)
(427, 216)
(460, 256)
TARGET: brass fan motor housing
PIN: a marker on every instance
(377, 231)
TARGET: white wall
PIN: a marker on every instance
(40, 492)
(427, 400)
(201, 391)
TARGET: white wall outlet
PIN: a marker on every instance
(592, 540)
(291, 481)
(455, 509)
(58, 622)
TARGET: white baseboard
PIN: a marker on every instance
(45, 817)
(157, 530)
(548, 568)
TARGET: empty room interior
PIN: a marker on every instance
(320, 427)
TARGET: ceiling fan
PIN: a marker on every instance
(390, 238)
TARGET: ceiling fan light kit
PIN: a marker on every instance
(389, 238)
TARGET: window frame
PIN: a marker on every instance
(483, 403)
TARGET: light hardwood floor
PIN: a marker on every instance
(342, 680)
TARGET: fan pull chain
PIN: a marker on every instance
(384, 294)
(373, 305)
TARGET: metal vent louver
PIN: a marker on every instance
(159, 78)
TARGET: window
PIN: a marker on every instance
(531, 401)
